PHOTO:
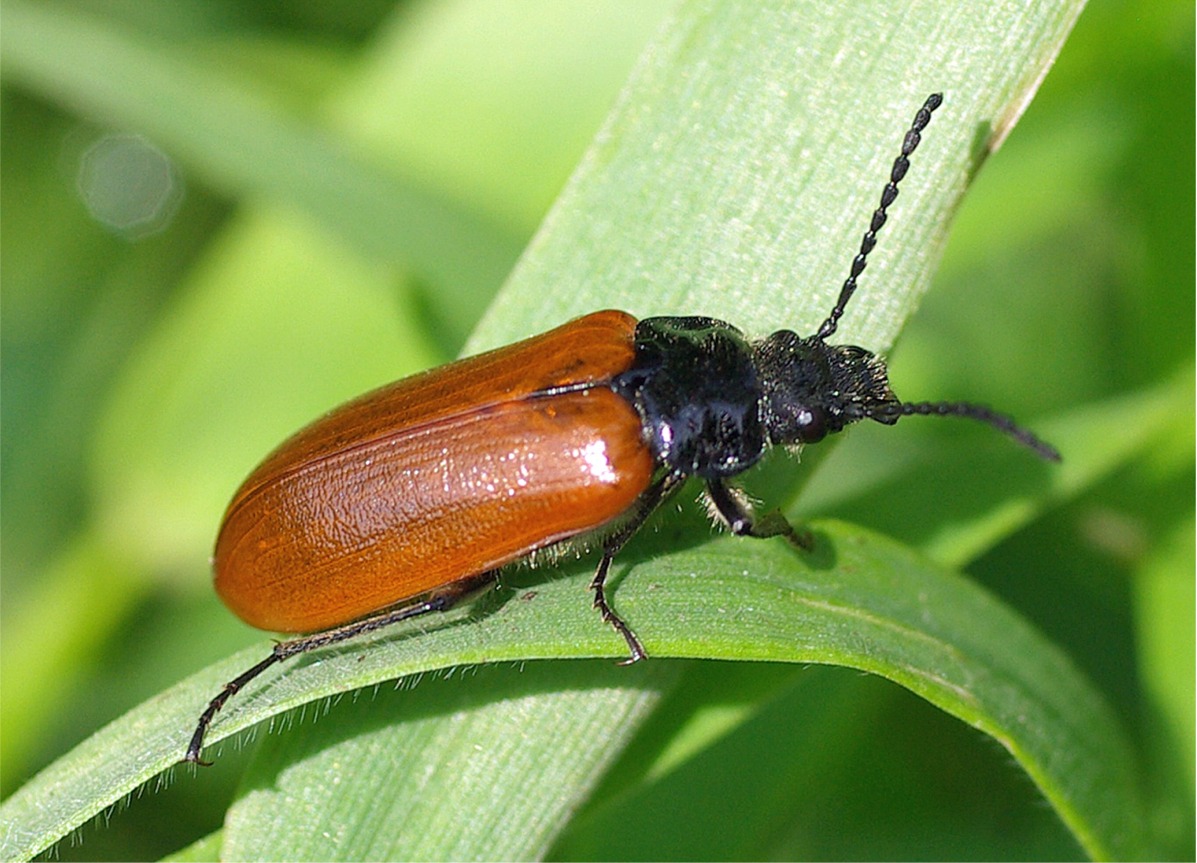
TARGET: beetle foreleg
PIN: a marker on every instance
(744, 522)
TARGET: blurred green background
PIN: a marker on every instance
(1075, 246)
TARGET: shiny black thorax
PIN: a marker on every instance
(712, 401)
(694, 383)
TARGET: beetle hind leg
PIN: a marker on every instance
(441, 600)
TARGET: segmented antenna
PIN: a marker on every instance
(888, 195)
(1001, 422)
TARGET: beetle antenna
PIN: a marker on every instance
(888, 195)
(1001, 422)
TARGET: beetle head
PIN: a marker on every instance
(812, 389)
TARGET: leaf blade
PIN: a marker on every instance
(868, 605)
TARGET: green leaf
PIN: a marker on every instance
(861, 601)
(235, 136)
(1164, 600)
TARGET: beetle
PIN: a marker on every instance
(407, 499)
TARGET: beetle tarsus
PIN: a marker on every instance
(775, 524)
(732, 508)
(230, 689)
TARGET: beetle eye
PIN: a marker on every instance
(812, 425)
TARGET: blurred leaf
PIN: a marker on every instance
(199, 851)
(234, 136)
(215, 373)
(86, 595)
(959, 498)
(517, 124)
(823, 750)
(1165, 602)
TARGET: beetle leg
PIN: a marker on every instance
(442, 600)
(612, 545)
(635, 648)
(743, 522)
